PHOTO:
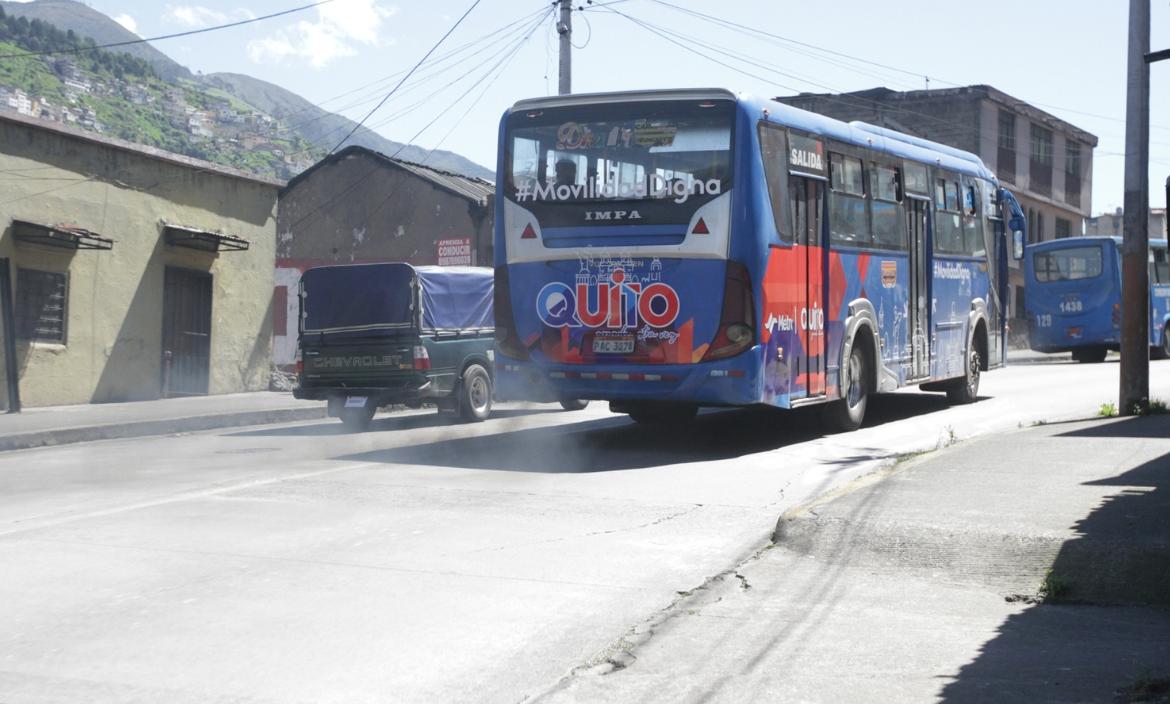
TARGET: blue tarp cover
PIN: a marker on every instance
(380, 298)
(456, 297)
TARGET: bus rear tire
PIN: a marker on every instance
(574, 404)
(1090, 355)
(846, 414)
(664, 414)
(966, 389)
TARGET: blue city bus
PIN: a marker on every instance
(1072, 293)
(671, 249)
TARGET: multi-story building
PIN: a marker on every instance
(1112, 223)
(1046, 162)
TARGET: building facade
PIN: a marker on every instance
(361, 206)
(1111, 224)
(136, 273)
(1046, 162)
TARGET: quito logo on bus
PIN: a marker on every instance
(617, 304)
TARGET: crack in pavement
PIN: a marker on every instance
(650, 524)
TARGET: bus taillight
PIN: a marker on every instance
(507, 339)
(735, 322)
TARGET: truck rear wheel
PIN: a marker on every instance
(357, 419)
(475, 394)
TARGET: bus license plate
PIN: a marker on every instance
(623, 344)
(355, 401)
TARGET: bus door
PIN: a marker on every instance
(919, 295)
(807, 196)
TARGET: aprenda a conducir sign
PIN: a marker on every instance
(454, 252)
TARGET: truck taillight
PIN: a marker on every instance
(507, 339)
(1116, 315)
(422, 359)
(300, 364)
(736, 330)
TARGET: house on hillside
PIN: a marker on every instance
(136, 273)
(359, 205)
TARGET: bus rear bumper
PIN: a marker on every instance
(732, 382)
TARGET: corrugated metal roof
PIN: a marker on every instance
(474, 189)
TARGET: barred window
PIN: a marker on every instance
(41, 305)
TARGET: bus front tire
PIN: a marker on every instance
(574, 404)
(1090, 355)
(846, 414)
(357, 420)
(673, 414)
(475, 394)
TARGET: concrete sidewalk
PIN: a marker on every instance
(58, 425)
(1032, 566)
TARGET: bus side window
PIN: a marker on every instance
(847, 217)
(1161, 273)
(772, 153)
(886, 207)
(972, 224)
(948, 229)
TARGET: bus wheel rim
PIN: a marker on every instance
(973, 373)
(853, 394)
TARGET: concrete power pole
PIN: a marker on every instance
(565, 29)
(1135, 282)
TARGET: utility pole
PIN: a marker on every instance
(1135, 276)
(565, 29)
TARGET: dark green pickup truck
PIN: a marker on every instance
(377, 334)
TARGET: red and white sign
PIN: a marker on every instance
(455, 252)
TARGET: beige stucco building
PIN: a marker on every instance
(136, 273)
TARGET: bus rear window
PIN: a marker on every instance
(668, 152)
(1067, 264)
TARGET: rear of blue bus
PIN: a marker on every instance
(1073, 296)
(616, 274)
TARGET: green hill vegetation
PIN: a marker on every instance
(120, 95)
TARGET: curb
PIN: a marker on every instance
(170, 426)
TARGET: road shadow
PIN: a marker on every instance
(1103, 617)
(414, 421)
(610, 444)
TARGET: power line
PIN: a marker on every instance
(918, 74)
(360, 181)
(419, 81)
(188, 33)
(379, 81)
(408, 75)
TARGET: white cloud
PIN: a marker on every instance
(198, 17)
(339, 27)
(128, 22)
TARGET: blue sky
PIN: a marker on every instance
(1068, 58)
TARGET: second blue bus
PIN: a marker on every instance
(1072, 294)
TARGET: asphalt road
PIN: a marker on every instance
(422, 561)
